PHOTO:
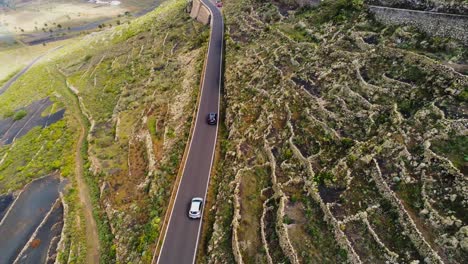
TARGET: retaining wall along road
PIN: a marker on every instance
(432, 23)
(200, 12)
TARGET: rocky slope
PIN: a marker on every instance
(346, 140)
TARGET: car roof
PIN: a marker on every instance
(195, 206)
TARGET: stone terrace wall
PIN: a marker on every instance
(436, 24)
(442, 6)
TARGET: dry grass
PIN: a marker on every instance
(21, 55)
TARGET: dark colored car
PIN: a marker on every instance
(212, 118)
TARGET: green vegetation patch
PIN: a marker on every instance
(456, 149)
(39, 152)
(39, 82)
(19, 115)
(385, 223)
(252, 207)
(363, 242)
(313, 237)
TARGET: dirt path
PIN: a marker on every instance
(92, 238)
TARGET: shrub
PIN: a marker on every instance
(323, 177)
(287, 220)
(20, 115)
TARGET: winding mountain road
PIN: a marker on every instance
(182, 234)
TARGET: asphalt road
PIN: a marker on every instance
(181, 237)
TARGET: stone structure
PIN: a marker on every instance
(441, 6)
(302, 3)
(432, 23)
(200, 12)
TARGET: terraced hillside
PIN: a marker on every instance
(345, 140)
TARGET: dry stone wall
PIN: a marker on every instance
(436, 24)
(443, 6)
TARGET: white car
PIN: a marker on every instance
(195, 208)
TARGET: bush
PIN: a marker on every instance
(324, 177)
(463, 96)
(20, 115)
(287, 220)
